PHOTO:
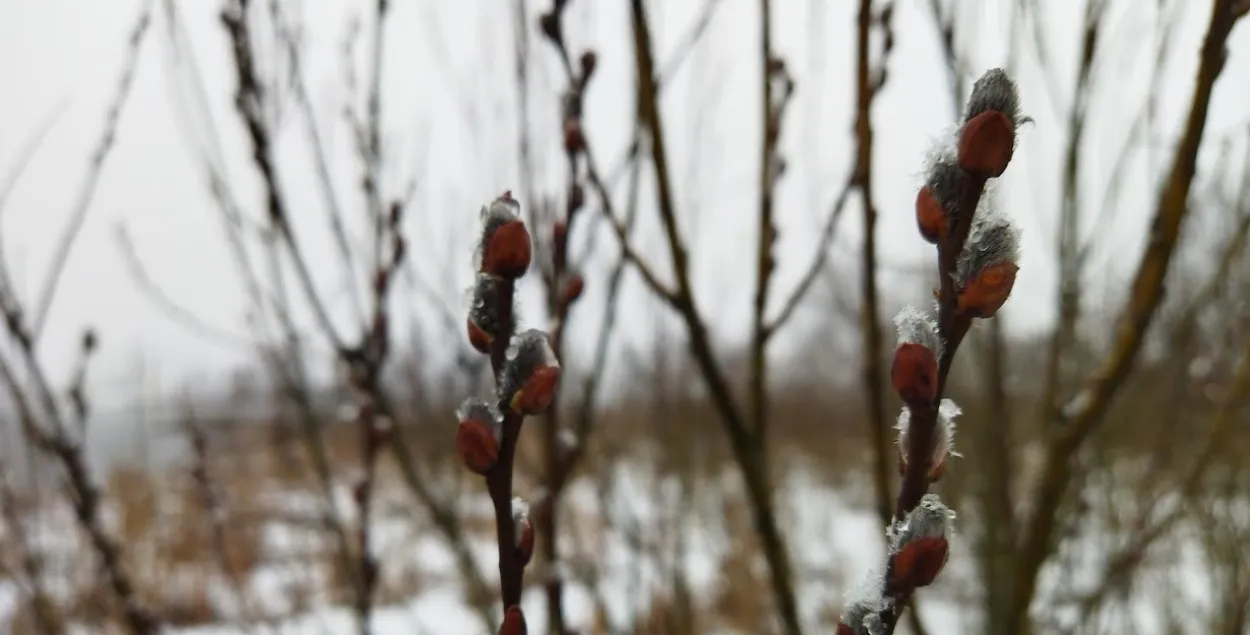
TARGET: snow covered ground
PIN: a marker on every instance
(633, 528)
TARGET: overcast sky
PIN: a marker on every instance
(450, 122)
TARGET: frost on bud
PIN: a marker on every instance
(986, 270)
(513, 622)
(863, 607)
(914, 373)
(852, 621)
(988, 138)
(531, 374)
(938, 198)
(522, 530)
(994, 91)
(478, 435)
(484, 324)
(943, 438)
(920, 546)
(505, 242)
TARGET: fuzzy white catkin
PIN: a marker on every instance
(930, 519)
(994, 90)
(943, 431)
(992, 239)
(915, 326)
(863, 603)
(942, 173)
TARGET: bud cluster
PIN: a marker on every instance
(978, 250)
(527, 375)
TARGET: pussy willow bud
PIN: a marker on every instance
(484, 324)
(943, 438)
(504, 246)
(864, 602)
(986, 269)
(531, 373)
(994, 91)
(920, 546)
(478, 435)
(914, 371)
(988, 137)
(938, 198)
(853, 617)
(513, 622)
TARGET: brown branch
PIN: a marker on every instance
(1126, 560)
(772, 109)
(338, 230)
(52, 438)
(746, 449)
(161, 298)
(870, 319)
(823, 243)
(1070, 264)
(249, 101)
(1083, 414)
(562, 288)
(86, 193)
(216, 513)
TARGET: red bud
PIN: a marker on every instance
(538, 391)
(914, 373)
(930, 215)
(986, 144)
(508, 252)
(988, 291)
(513, 622)
(478, 448)
(918, 563)
(479, 338)
(525, 541)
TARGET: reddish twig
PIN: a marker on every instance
(526, 373)
(978, 251)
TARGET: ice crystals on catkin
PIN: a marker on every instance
(530, 374)
(943, 436)
(986, 269)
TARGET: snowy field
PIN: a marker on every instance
(630, 532)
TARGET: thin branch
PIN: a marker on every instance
(1083, 414)
(823, 244)
(86, 193)
(179, 313)
(745, 445)
(249, 101)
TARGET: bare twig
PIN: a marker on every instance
(78, 214)
(50, 434)
(746, 447)
(1084, 412)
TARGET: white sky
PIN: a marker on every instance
(450, 123)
